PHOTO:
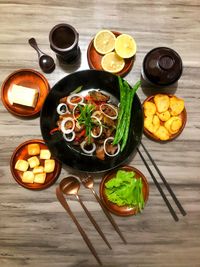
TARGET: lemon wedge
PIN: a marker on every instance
(111, 62)
(104, 42)
(125, 46)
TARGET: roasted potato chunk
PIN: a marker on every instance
(173, 125)
(176, 105)
(149, 108)
(162, 102)
(162, 133)
(164, 116)
(152, 123)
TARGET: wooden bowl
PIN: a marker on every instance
(183, 117)
(94, 59)
(122, 210)
(28, 78)
(21, 152)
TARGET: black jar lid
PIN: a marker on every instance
(162, 66)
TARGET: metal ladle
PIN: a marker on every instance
(46, 62)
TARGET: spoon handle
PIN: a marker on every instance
(65, 205)
(93, 222)
(110, 218)
(33, 43)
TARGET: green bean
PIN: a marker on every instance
(123, 94)
(128, 114)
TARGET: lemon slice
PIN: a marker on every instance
(111, 62)
(104, 42)
(125, 46)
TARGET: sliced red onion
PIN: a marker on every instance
(74, 95)
(62, 109)
(115, 110)
(104, 147)
(69, 137)
(97, 114)
(76, 106)
(84, 143)
(100, 125)
(63, 122)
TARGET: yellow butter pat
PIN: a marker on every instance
(23, 96)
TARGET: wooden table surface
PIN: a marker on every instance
(34, 228)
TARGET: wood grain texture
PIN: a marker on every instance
(34, 228)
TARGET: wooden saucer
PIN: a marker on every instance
(94, 59)
(183, 117)
(122, 210)
(27, 78)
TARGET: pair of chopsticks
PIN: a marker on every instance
(178, 204)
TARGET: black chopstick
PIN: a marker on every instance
(183, 212)
(159, 188)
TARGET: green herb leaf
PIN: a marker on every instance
(125, 189)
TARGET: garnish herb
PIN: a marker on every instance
(86, 120)
(125, 189)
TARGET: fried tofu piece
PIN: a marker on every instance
(173, 125)
(33, 149)
(21, 165)
(176, 105)
(164, 116)
(38, 169)
(149, 108)
(45, 154)
(152, 123)
(28, 177)
(162, 102)
(162, 133)
(49, 165)
(40, 178)
(33, 161)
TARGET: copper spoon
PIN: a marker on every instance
(89, 183)
(45, 61)
(71, 186)
(65, 205)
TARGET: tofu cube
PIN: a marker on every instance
(28, 177)
(49, 165)
(21, 165)
(33, 161)
(38, 169)
(24, 96)
(33, 149)
(40, 178)
(45, 154)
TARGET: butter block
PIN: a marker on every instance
(24, 96)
